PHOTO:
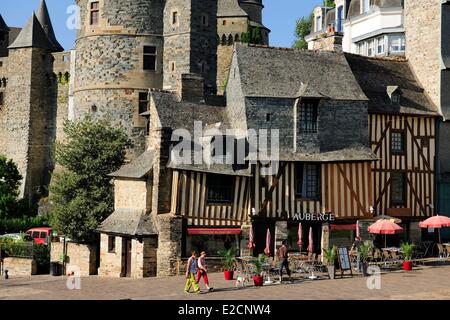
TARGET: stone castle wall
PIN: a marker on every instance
(109, 63)
(29, 117)
(423, 43)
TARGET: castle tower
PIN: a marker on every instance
(119, 56)
(44, 19)
(190, 41)
(29, 114)
(237, 21)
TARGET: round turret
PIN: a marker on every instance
(253, 8)
(119, 56)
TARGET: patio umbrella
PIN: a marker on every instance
(436, 222)
(251, 239)
(300, 235)
(267, 249)
(310, 240)
(385, 227)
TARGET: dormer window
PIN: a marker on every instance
(395, 94)
(318, 23)
(395, 99)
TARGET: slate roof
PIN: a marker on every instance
(3, 25)
(44, 19)
(32, 36)
(13, 34)
(183, 113)
(281, 73)
(378, 75)
(138, 168)
(129, 222)
(230, 8)
(357, 153)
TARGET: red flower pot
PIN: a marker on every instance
(407, 265)
(258, 280)
(228, 274)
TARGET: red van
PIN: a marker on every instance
(40, 235)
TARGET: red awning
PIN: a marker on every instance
(193, 231)
(341, 227)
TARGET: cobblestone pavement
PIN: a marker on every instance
(422, 283)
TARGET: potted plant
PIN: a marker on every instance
(364, 250)
(229, 260)
(330, 257)
(407, 249)
(258, 279)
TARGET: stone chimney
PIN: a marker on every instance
(191, 87)
(330, 40)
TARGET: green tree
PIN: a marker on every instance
(9, 189)
(81, 193)
(302, 29)
(329, 3)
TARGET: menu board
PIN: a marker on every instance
(344, 259)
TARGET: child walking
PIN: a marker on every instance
(191, 270)
(203, 271)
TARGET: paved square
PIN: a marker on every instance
(422, 283)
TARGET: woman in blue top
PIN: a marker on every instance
(191, 271)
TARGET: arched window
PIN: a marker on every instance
(236, 38)
(224, 40)
(230, 40)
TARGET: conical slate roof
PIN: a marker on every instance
(32, 36)
(3, 26)
(44, 18)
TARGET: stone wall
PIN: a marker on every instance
(110, 262)
(422, 21)
(20, 267)
(28, 120)
(80, 256)
(134, 194)
(144, 257)
(189, 45)
(170, 229)
(224, 56)
(340, 124)
(109, 63)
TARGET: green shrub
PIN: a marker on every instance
(17, 225)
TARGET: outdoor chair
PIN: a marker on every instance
(442, 251)
(396, 257)
(377, 255)
(386, 257)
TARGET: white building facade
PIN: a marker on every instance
(367, 27)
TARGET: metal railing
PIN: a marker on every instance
(16, 250)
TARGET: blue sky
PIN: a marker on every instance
(279, 16)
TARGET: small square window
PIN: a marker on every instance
(111, 244)
(150, 58)
(2, 99)
(143, 102)
(224, 22)
(95, 13)
(204, 20)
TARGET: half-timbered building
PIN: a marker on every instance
(402, 134)
(349, 138)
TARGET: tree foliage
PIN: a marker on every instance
(10, 179)
(81, 193)
(252, 36)
(302, 29)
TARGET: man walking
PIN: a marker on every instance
(283, 258)
(191, 270)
